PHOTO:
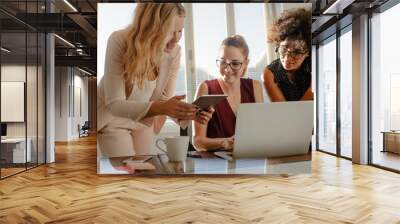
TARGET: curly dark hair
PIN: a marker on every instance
(294, 25)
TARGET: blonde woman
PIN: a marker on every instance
(139, 81)
(218, 133)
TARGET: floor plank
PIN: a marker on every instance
(70, 191)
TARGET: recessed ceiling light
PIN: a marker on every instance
(64, 40)
(84, 71)
(5, 50)
(70, 5)
(337, 7)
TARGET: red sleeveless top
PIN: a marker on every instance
(223, 122)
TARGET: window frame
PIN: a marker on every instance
(334, 37)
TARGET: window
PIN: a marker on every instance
(209, 27)
(181, 77)
(346, 94)
(385, 86)
(254, 34)
(22, 75)
(108, 22)
(394, 101)
(327, 96)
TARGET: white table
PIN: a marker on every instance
(17, 146)
(208, 164)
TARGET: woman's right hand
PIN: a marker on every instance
(227, 143)
(175, 108)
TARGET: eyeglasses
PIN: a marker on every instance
(284, 51)
(235, 65)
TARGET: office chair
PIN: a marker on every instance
(84, 130)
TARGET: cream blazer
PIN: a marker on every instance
(111, 97)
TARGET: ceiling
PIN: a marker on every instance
(77, 25)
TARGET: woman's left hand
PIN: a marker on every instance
(203, 116)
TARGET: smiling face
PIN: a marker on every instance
(292, 54)
(232, 63)
(177, 34)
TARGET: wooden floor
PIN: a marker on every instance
(70, 191)
(5, 172)
(387, 159)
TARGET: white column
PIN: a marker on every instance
(230, 18)
(360, 90)
(50, 99)
(314, 89)
(189, 57)
(271, 12)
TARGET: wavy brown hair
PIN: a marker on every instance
(153, 24)
(294, 25)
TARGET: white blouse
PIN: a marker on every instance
(111, 97)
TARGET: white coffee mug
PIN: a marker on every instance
(177, 147)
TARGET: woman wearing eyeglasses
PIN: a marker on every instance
(288, 78)
(218, 132)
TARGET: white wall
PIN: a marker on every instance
(33, 126)
(61, 104)
(67, 116)
(14, 73)
(79, 117)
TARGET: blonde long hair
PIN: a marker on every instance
(146, 40)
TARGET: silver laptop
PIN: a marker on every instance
(273, 129)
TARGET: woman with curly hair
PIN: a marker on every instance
(288, 78)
